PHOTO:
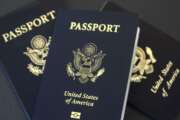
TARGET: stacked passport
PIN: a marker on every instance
(24, 44)
(69, 70)
(78, 65)
(82, 79)
(156, 73)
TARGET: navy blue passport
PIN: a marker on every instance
(156, 73)
(82, 79)
(25, 37)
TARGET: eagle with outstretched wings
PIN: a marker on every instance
(87, 63)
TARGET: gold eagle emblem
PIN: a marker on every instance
(142, 64)
(86, 65)
(37, 54)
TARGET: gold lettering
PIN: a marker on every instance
(5, 36)
(37, 22)
(102, 27)
(80, 99)
(109, 28)
(173, 78)
(77, 26)
(164, 93)
(52, 14)
(72, 26)
(157, 85)
(29, 25)
(12, 35)
(95, 27)
(22, 29)
(84, 26)
(89, 27)
(167, 69)
(44, 19)
(116, 28)
(18, 31)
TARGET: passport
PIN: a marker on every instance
(156, 72)
(11, 106)
(82, 79)
(25, 37)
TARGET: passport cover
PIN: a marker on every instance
(24, 45)
(11, 106)
(82, 79)
(156, 73)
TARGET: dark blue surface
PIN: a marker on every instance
(13, 58)
(110, 87)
